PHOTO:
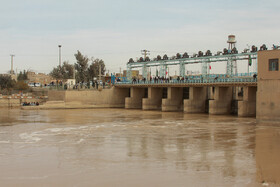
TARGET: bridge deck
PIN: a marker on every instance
(221, 84)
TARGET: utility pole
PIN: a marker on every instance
(145, 53)
(99, 71)
(59, 46)
(12, 64)
(168, 73)
(74, 72)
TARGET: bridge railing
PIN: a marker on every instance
(198, 79)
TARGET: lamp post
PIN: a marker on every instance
(12, 64)
(59, 46)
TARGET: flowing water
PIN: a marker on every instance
(118, 147)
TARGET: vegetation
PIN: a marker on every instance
(7, 84)
(83, 71)
(82, 67)
(66, 71)
(21, 85)
(86, 72)
(22, 76)
(93, 70)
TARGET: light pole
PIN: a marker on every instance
(12, 65)
(59, 46)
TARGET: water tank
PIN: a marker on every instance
(231, 39)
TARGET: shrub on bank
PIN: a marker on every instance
(9, 85)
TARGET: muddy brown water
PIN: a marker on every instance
(118, 147)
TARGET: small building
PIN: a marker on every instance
(70, 83)
(268, 93)
(134, 73)
(41, 78)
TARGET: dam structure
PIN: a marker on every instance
(212, 93)
(246, 95)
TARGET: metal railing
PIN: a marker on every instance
(198, 79)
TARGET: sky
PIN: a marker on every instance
(116, 30)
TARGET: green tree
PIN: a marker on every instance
(82, 67)
(22, 76)
(21, 85)
(66, 71)
(93, 70)
(56, 73)
(6, 82)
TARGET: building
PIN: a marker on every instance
(39, 78)
(134, 73)
(119, 75)
(70, 83)
(268, 93)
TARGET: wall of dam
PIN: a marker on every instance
(191, 100)
(17, 102)
(106, 98)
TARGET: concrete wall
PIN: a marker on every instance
(54, 95)
(16, 102)
(154, 100)
(135, 99)
(9, 103)
(222, 101)
(268, 100)
(268, 94)
(174, 101)
(114, 98)
(196, 101)
(247, 107)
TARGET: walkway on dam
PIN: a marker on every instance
(200, 81)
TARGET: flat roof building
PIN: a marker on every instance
(268, 93)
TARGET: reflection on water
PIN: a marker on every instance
(117, 147)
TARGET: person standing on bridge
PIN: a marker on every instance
(255, 76)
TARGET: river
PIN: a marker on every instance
(118, 147)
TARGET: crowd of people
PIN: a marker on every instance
(158, 79)
(88, 85)
(30, 104)
(178, 79)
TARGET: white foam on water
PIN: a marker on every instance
(81, 140)
(26, 178)
(66, 129)
(30, 137)
(5, 141)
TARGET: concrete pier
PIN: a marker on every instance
(222, 101)
(196, 101)
(135, 99)
(247, 107)
(174, 101)
(154, 100)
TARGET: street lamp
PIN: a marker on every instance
(59, 46)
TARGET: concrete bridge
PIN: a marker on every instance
(215, 96)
